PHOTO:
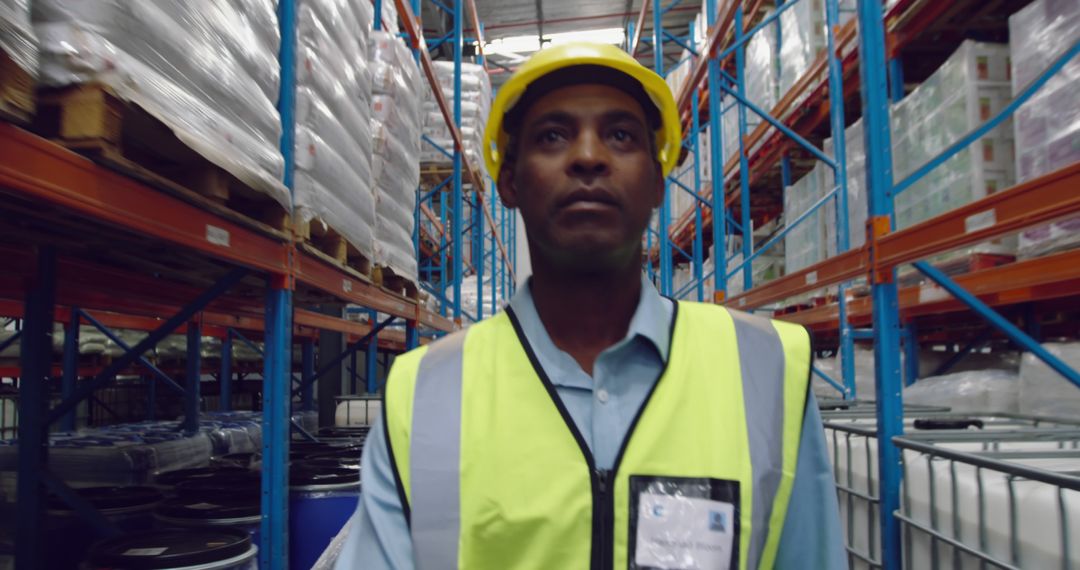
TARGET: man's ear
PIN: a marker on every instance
(659, 195)
(506, 185)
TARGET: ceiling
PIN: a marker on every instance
(514, 18)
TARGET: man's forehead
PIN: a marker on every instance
(585, 99)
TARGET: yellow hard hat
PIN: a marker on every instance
(544, 62)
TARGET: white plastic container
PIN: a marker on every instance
(358, 411)
(852, 445)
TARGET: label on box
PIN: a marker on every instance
(346, 285)
(980, 221)
(811, 278)
(217, 236)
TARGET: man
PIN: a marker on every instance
(595, 424)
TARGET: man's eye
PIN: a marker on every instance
(549, 136)
(622, 135)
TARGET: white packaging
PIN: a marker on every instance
(208, 70)
(966, 91)
(1048, 125)
(1045, 392)
(396, 130)
(762, 68)
(806, 243)
(333, 129)
(857, 197)
(17, 38)
(986, 391)
(803, 29)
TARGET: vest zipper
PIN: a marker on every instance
(604, 519)
(602, 480)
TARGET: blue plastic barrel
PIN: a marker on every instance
(321, 500)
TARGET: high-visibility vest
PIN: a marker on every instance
(493, 473)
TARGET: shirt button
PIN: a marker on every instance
(602, 395)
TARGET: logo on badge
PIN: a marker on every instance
(717, 521)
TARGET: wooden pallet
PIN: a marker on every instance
(92, 120)
(16, 91)
(385, 278)
(319, 239)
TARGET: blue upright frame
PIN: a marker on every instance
(446, 269)
(723, 86)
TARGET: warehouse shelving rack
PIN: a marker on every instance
(490, 225)
(868, 50)
(145, 260)
(729, 31)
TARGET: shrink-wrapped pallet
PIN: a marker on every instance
(807, 242)
(207, 70)
(475, 105)
(1048, 125)
(333, 181)
(803, 36)
(967, 90)
(18, 48)
(395, 168)
(1045, 392)
(17, 38)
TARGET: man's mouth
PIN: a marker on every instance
(588, 200)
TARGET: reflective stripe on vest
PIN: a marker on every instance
(494, 473)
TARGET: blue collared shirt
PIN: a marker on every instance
(603, 406)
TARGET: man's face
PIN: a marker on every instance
(584, 176)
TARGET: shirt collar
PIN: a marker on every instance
(651, 320)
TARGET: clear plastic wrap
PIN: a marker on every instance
(475, 105)
(968, 89)
(199, 67)
(1045, 392)
(803, 29)
(988, 391)
(396, 131)
(1048, 124)
(761, 75)
(334, 143)
(857, 197)
(806, 243)
(119, 456)
(17, 38)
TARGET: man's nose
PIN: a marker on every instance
(590, 156)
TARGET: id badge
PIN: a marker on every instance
(683, 523)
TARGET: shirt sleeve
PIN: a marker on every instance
(379, 538)
(812, 536)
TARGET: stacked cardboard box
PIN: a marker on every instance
(1048, 125)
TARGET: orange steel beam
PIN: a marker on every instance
(416, 36)
(843, 267)
(328, 279)
(1039, 201)
(1045, 278)
(36, 168)
(1035, 202)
